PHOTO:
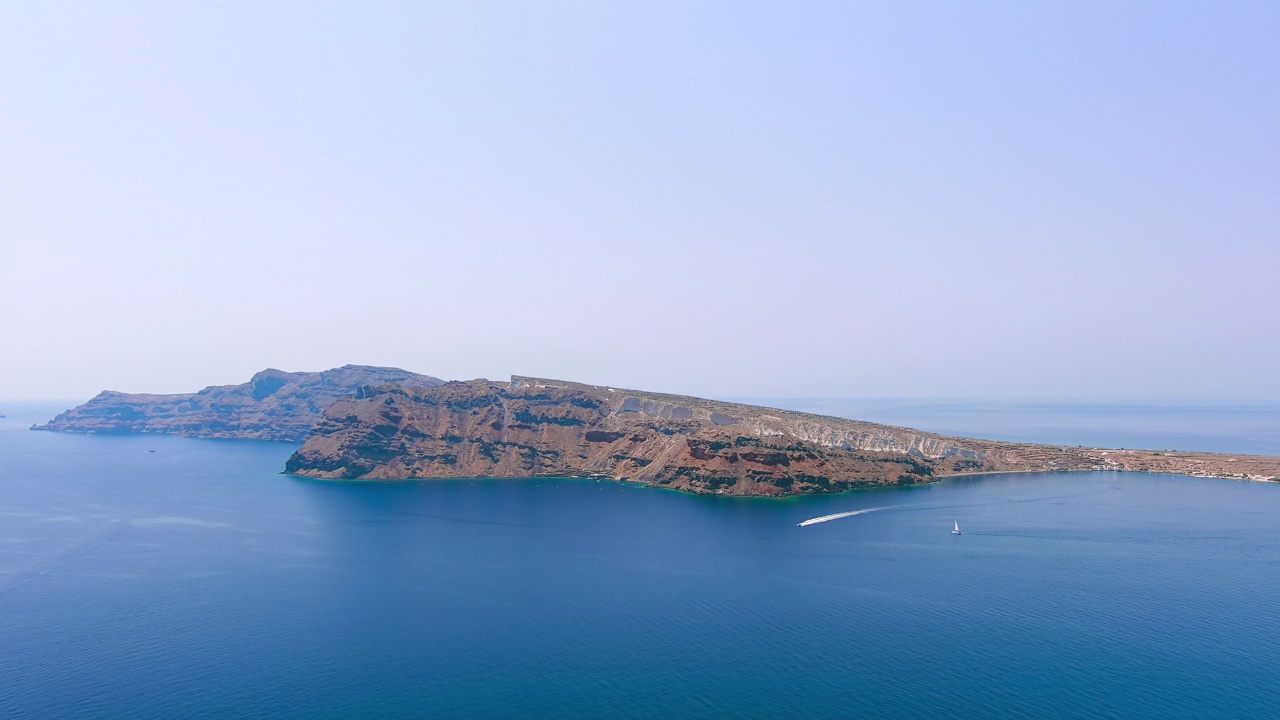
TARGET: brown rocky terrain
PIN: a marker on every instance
(273, 405)
(535, 427)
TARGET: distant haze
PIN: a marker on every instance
(979, 200)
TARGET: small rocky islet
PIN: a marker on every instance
(370, 423)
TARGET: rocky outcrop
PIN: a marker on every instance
(535, 427)
(273, 405)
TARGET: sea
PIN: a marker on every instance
(163, 577)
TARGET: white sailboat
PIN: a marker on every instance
(956, 531)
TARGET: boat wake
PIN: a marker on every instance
(836, 516)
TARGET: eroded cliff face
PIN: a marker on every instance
(532, 427)
(535, 427)
(273, 405)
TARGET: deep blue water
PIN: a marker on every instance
(195, 581)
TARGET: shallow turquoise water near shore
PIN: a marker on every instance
(195, 581)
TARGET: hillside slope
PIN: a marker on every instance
(273, 405)
(532, 427)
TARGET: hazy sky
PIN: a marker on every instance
(953, 199)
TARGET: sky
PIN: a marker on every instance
(986, 200)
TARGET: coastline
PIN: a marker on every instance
(1198, 476)
(638, 484)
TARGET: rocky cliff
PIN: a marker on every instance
(532, 427)
(273, 405)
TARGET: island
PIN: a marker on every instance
(539, 427)
(273, 405)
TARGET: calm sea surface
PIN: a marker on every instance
(195, 581)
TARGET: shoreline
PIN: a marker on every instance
(1244, 478)
(785, 497)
